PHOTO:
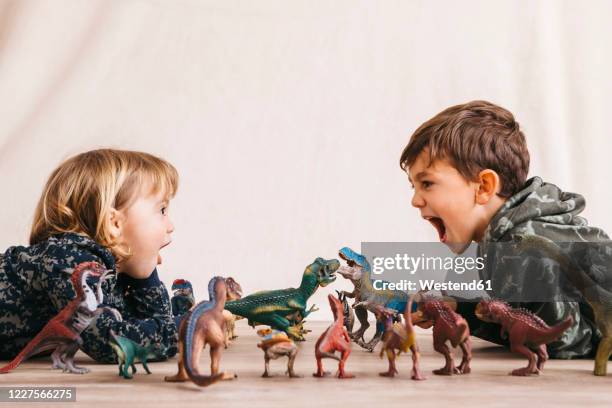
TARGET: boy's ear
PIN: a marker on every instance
(489, 184)
(115, 222)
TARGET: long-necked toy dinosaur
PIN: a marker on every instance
(62, 333)
(203, 325)
(599, 298)
(285, 309)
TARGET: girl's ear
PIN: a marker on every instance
(116, 221)
(489, 184)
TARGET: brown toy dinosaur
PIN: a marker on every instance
(401, 338)
(598, 297)
(334, 338)
(234, 291)
(63, 332)
(447, 326)
(204, 324)
(526, 332)
(276, 344)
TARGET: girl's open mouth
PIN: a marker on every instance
(439, 225)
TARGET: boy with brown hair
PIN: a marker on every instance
(468, 166)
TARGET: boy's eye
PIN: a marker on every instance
(426, 184)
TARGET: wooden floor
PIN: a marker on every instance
(563, 383)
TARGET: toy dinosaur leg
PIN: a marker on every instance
(290, 363)
(56, 357)
(603, 354)
(266, 373)
(449, 368)
(531, 367)
(416, 372)
(182, 373)
(215, 360)
(145, 366)
(320, 372)
(362, 315)
(392, 368)
(341, 373)
(371, 345)
(466, 348)
(71, 350)
(542, 356)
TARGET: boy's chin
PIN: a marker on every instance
(457, 247)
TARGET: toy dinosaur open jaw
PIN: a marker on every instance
(327, 273)
(438, 223)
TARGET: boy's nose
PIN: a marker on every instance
(417, 201)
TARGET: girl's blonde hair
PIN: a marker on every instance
(82, 191)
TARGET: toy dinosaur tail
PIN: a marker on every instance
(554, 332)
(28, 350)
(408, 313)
(192, 320)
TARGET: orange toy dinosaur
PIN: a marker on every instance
(203, 324)
(62, 333)
(334, 338)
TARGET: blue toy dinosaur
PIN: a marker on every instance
(368, 298)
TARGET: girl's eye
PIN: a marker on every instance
(426, 184)
(163, 210)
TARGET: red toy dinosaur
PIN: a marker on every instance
(447, 326)
(62, 333)
(401, 338)
(334, 338)
(526, 332)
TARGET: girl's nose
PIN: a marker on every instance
(170, 228)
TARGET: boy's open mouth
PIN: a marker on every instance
(439, 225)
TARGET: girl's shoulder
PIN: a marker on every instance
(67, 248)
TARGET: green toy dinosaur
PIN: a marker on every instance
(129, 353)
(285, 309)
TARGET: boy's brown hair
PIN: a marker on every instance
(474, 136)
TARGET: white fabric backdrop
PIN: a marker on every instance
(286, 119)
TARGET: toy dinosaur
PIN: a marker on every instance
(234, 292)
(366, 297)
(525, 330)
(128, 353)
(599, 298)
(334, 338)
(277, 344)
(447, 326)
(400, 337)
(62, 333)
(347, 312)
(285, 309)
(182, 298)
(204, 324)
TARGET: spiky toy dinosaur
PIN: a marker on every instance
(347, 312)
(285, 309)
(367, 298)
(204, 324)
(447, 326)
(182, 297)
(334, 338)
(599, 298)
(401, 338)
(276, 344)
(525, 330)
(62, 333)
(129, 353)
